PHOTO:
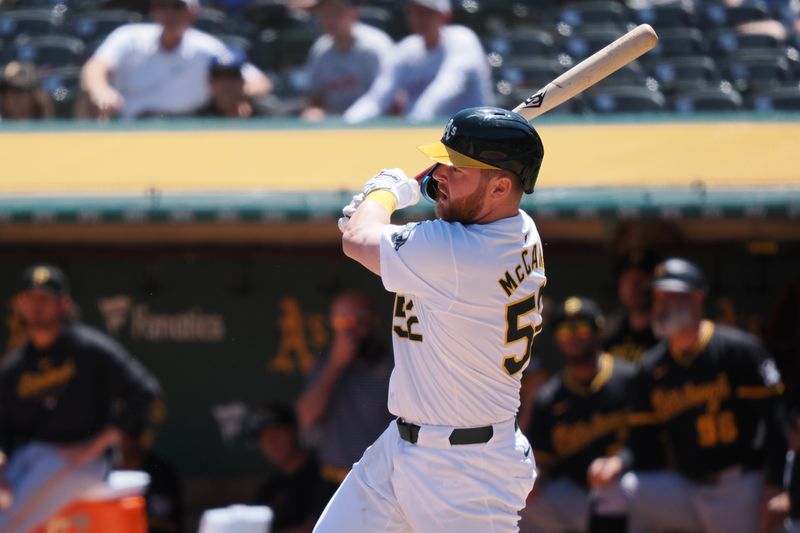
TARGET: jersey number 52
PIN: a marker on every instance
(519, 328)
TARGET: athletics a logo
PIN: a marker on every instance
(449, 130)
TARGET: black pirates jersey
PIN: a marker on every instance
(706, 405)
(573, 423)
(72, 390)
(627, 343)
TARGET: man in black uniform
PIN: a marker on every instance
(67, 394)
(711, 392)
(295, 491)
(629, 334)
(579, 415)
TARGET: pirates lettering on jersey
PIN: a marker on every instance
(530, 259)
(670, 402)
(405, 328)
(570, 438)
(48, 378)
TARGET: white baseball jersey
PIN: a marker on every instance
(154, 80)
(467, 309)
(438, 82)
(340, 78)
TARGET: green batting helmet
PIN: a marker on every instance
(492, 138)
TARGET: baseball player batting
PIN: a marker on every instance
(467, 309)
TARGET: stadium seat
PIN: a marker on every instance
(680, 15)
(685, 73)
(50, 51)
(29, 22)
(679, 42)
(492, 17)
(529, 73)
(626, 100)
(237, 41)
(782, 99)
(716, 99)
(522, 42)
(63, 86)
(722, 16)
(391, 22)
(293, 45)
(98, 24)
(211, 21)
(598, 12)
(584, 43)
(726, 42)
(749, 73)
(264, 50)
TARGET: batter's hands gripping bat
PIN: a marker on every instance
(588, 72)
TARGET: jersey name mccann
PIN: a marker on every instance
(466, 312)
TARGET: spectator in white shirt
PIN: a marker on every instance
(344, 62)
(438, 70)
(158, 69)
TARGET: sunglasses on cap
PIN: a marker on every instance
(579, 328)
(175, 5)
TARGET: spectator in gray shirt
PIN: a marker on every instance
(342, 63)
(347, 390)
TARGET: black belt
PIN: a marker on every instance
(410, 433)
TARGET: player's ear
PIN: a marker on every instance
(502, 186)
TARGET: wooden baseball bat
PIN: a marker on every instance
(588, 72)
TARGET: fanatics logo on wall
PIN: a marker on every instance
(144, 324)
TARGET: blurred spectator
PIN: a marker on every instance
(158, 69)
(782, 337)
(630, 333)
(709, 394)
(294, 492)
(226, 79)
(794, 456)
(67, 395)
(347, 390)
(164, 495)
(579, 415)
(344, 62)
(21, 97)
(438, 70)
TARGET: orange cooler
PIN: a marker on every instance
(122, 515)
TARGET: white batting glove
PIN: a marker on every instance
(396, 182)
(349, 209)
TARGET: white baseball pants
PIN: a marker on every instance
(434, 487)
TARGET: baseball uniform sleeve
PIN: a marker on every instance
(114, 47)
(132, 385)
(418, 258)
(540, 435)
(758, 388)
(643, 450)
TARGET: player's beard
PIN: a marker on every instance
(464, 210)
(677, 320)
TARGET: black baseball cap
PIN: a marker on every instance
(231, 60)
(273, 415)
(678, 275)
(47, 278)
(579, 308)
